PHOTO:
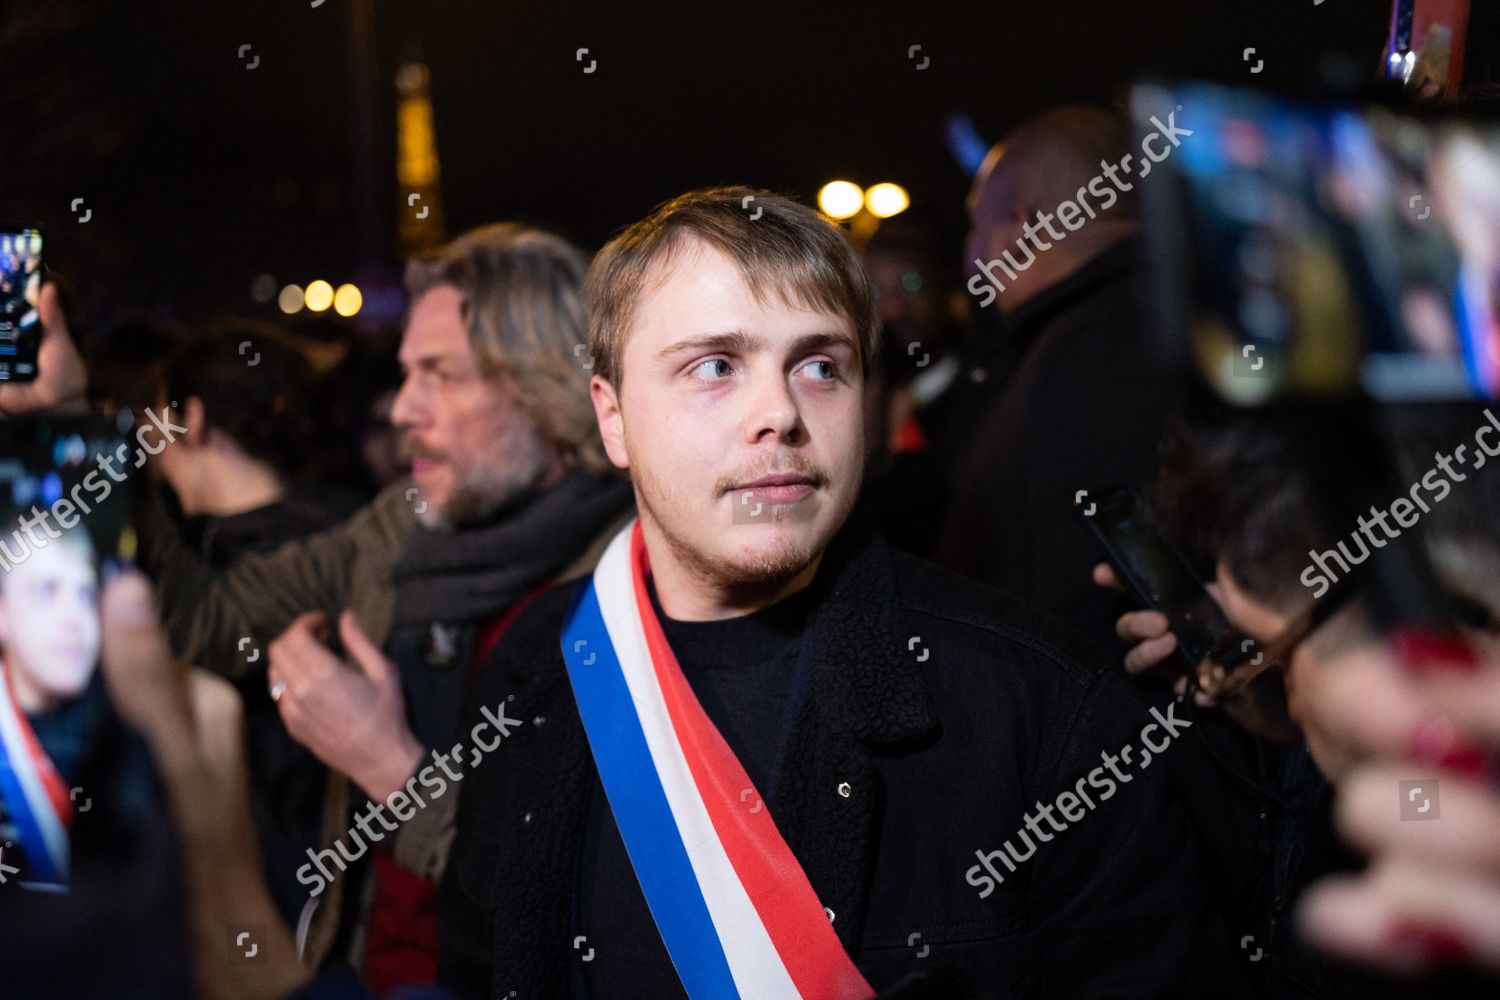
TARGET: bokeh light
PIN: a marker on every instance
(886, 200)
(319, 295)
(347, 300)
(840, 199)
(290, 299)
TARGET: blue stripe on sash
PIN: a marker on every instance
(33, 843)
(639, 803)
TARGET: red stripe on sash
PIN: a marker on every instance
(783, 897)
(57, 789)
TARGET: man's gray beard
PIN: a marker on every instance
(480, 493)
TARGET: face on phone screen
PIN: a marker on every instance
(49, 623)
(59, 520)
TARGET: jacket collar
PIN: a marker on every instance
(866, 664)
(1114, 263)
(867, 690)
(868, 673)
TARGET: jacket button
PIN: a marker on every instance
(538, 720)
(828, 911)
(526, 818)
(844, 789)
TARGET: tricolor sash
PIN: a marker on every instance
(734, 908)
(35, 795)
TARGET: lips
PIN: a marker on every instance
(781, 487)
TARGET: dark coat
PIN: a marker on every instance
(1084, 411)
(945, 711)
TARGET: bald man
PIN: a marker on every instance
(1047, 201)
(1053, 220)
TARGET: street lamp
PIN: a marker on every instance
(862, 208)
(841, 199)
(886, 199)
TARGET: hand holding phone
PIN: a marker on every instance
(1157, 576)
(1148, 633)
(58, 382)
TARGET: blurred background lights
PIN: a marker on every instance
(290, 299)
(885, 200)
(51, 488)
(319, 295)
(263, 288)
(841, 199)
(347, 300)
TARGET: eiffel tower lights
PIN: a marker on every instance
(420, 212)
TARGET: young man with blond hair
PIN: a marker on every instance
(766, 749)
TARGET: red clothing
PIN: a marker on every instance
(401, 941)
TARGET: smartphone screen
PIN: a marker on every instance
(1158, 575)
(1320, 248)
(65, 525)
(20, 289)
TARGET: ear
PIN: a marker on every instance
(611, 421)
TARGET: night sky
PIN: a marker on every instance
(201, 173)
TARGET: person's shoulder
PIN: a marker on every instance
(529, 651)
(1001, 626)
(532, 640)
(388, 518)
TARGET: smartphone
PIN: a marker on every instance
(1155, 573)
(20, 291)
(64, 527)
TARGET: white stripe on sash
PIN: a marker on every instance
(32, 786)
(755, 964)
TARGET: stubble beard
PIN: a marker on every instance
(780, 563)
(478, 493)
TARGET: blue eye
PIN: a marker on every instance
(831, 373)
(715, 372)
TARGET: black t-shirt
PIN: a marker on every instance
(742, 671)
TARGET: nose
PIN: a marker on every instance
(773, 411)
(75, 614)
(408, 408)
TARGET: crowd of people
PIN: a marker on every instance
(710, 617)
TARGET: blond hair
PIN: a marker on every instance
(780, 247)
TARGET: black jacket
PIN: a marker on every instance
(1084, 411)
(945, 711)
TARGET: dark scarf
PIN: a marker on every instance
(451, 583)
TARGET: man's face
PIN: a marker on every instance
(740, 422)
(472, 447)
(1305, 677)
(993, 221)
(49, 621)
(997, 224)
